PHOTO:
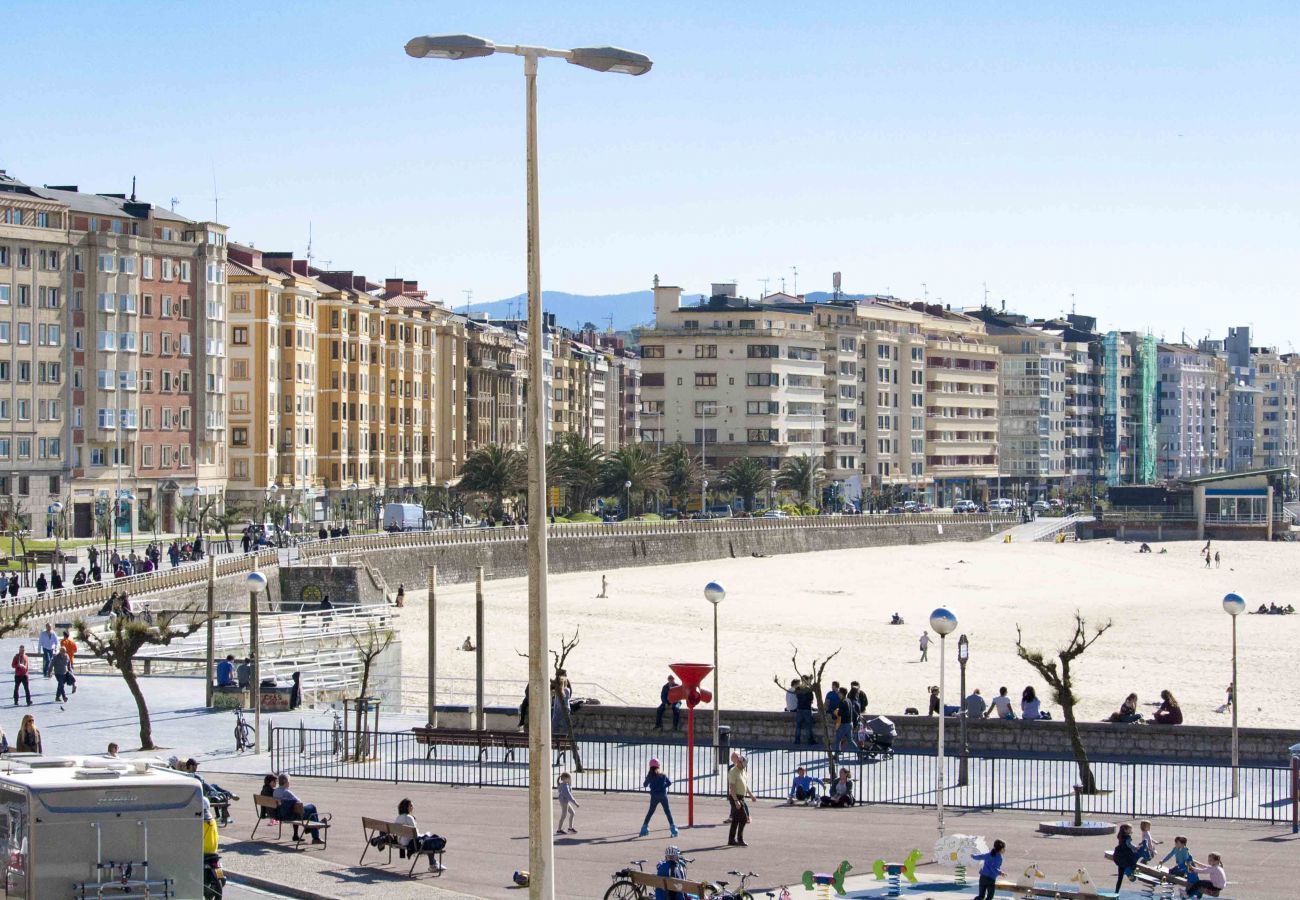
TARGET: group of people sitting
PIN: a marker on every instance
(1168, 712)
(1272, 609)
(808, 790)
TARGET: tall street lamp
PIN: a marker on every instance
(1234, 605)
(944, 623)
(704, 499)
(627, 488)
(714, 593)
(256, 583)
(541, 853)
(963, 654)
(55, 510)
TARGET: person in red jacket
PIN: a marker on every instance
(20, 666)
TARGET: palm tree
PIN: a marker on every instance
(747, 477)
(575, 464)
(682, 473)
(496, 471)
(800, 474)
(635, 463)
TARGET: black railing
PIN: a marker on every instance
(1128, 790)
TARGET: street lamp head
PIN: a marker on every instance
(963, 648)
(943, 621)
(714, 593)
(449, 46)
(627, 485)
(255, 582)
(606, 59)
(1234, 604)
(55, 508)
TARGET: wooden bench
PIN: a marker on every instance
(397, 835)
(267, 808)
(664, 883)
(510, 741)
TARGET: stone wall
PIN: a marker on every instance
(507, 558)
(303, 587)
(987, 737)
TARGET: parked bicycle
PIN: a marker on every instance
(245, 734)
(628, 885)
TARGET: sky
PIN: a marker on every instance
(1138, 162)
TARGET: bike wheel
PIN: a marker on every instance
(623, 890)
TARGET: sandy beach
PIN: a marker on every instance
(1170, 630)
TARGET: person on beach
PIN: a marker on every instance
(1030, 706)
(665, 705)
(845, 713)
(1001, 705)
(990, 869)
(1169, 713)
(1217, 559)
(933, 709)
(564, 791)
(1210, 878)
(657, 783)
(1146, 842)
(840, 793)
(925, 645)
(1125, 855)
(1127, 712)
(1181, 857)
(976, 708)
(738, 795)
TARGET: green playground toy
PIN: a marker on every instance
(813, 880)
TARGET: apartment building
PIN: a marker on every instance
(495, 387)
(35, 246)
(1083, 350)
(1191, 440)
(1276, 441)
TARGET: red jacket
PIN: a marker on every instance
(20, 664)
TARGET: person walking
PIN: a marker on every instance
(665, 704)
(62, 668)
(925, 646)
(803, 714)
(13, 585)
(568, 804)
(401, 596)
(20, 666)
(42, 585)
(990, 869)
(738, 795)
(49, 643)
(657, 783)
(70, 647)
(29, 736)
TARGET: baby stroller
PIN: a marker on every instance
(876, 739)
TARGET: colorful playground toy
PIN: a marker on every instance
(957, 851)
(814, 880)
(897, 871)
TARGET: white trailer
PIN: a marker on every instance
(80, 827)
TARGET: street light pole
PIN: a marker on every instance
(943, 622)
(541, 852)
(627, 486)
(963, 654)
(256, 583)
(1234, 605)
(714, 593)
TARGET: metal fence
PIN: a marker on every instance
(1129, 790)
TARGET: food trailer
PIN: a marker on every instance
(81, 827)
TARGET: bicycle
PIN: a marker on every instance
(245, 734)
(784, 895)
(626, 888)
(738, 894)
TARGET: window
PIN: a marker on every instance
(239, 437)
(185, 270)
(239, 335)
(761, 379)
(706, 407)
(4, 294)
(24, 295)
(126, 265)
(762, 408)
(126, 341)
(107, 263)
(706, 351)
(4, 332)
(126, 303)
(185, 345)
(706, 379)
(146, 267)
(709, 435)
(24, 332)
(652, 351)
(763, 351)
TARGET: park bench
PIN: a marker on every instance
(510, 741)
(396, 835)
(267, 808)
(1155, 873)
(664, 883)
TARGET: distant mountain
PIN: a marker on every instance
(575, 310)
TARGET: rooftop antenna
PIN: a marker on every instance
(132, 188)
(309, 255)
(175, 200)
(925, 291)
(469, 296)
(765, 281)
(783, 284)
(1072, 306)
(986, 297)
(216, 201)
(795, 270)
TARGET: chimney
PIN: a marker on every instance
(723, 289)
(395, 285)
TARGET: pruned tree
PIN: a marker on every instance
(370, 645)
(1061, 680)
(559, 681)
(147, 517)
(126, 637)
(813, 679)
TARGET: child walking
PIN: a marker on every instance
(658, 783)
(1147, 843)
(567, 803)
(990, 870)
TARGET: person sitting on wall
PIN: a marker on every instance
(226, 672)
(1127, 712)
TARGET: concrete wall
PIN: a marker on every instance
(1103, 741)
(586, 553)
(302, 587)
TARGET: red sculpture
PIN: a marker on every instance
(690, 675)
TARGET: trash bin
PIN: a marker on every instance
(724, 744)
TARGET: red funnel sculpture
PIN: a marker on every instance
(690, 675)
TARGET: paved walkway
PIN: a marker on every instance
(487, 841)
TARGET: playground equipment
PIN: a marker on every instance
(691, 674)
(896, 872)
(957, 852)
(823, 882)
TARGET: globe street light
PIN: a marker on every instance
(714, 593)
(963, 654)
(256, 583)
(627, 487)
(1234, 605)
(541, 854)
(55, 510)
(944, 623)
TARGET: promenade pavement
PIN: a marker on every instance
(486, 830)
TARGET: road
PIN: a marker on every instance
(240, 892)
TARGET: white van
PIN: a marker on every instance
(1002, 504)
(73, 825)
(403, 517)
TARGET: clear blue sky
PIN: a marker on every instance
(1143, 157)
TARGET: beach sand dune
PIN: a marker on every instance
(1170, 630)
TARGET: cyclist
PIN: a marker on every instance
(672, 866)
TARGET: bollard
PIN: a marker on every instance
(1295, 794)
(1078, 805)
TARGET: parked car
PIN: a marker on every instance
(964, 506)
(1002, 504)
(720, 512)
(1042, 506)
(776, 514)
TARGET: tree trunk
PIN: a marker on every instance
(133, 685)
(1086, 780)
(558, 696)
(826, 732)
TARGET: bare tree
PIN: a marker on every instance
(126, 637)
(813, 679)
(559, 681)
(1061, 681)
(370, 645)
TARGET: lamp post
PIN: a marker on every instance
(256, 583)
(943, 622)
(601, 59)
(714, 593)
(627, 487)
(55, 510)
(963, 654)
(704, 498)
(1234, 605)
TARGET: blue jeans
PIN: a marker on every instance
(659, 801)
(803, 718)
(843, 733)
(47, 658)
